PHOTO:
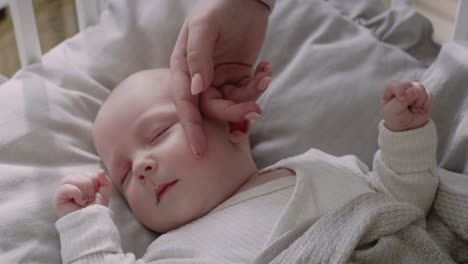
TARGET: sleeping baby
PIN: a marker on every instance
(220, 208)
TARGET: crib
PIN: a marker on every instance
(48, 107)
(29, 48)
(88, 14)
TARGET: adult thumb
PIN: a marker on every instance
(202, 37)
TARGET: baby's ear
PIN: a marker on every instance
(239, 131)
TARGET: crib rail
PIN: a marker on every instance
(88, 12)
(3, 3)
(24, 23)
(27, 38)
(461, 21)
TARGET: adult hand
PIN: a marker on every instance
(217, 47)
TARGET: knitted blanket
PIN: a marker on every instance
(374, 228)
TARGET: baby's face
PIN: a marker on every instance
(142, 143)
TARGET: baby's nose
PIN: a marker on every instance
(144, 169)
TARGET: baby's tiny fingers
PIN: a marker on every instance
(104, 185)
(84, 182)
(68, 192)
(421, 96)
(395, 89)
(88, 190)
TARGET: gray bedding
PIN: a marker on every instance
(330, 61)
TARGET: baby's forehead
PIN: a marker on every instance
(128, 102)
(156, 82)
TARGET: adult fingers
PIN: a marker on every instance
(191, 121)
(251, 92)
(232, 73)
(232, 112)
(253, 88)
(186, 104)
(202, 35)
(214, 106)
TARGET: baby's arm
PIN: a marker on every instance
(87, 232)
(404, 167)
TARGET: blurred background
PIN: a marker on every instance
(56, 21)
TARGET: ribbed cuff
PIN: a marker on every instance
(87, 231)
(269, 3)
(409, 151)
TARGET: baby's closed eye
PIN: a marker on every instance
(159, 135)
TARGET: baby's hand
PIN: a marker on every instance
(405, 106)
(82, 190)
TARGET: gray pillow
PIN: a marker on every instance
(331, 60)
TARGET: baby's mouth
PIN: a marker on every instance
(162, 189)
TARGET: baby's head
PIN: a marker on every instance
(139, 138)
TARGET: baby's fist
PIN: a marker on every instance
(82, 190)
(405, 106)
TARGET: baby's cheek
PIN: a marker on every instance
(179, 149)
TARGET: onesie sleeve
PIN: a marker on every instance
(405, 165)
(90, 236)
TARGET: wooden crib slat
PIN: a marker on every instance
(88, 12)
(461, 22)
(3, 3)
(27, 38)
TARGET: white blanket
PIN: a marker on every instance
(330, 59)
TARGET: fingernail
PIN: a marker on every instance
(268, 69)
(264, 84)
(197, 84)
(252, 116)
(197, 155)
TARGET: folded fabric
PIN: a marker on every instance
(373, 228)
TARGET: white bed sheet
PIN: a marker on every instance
(330, 59)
